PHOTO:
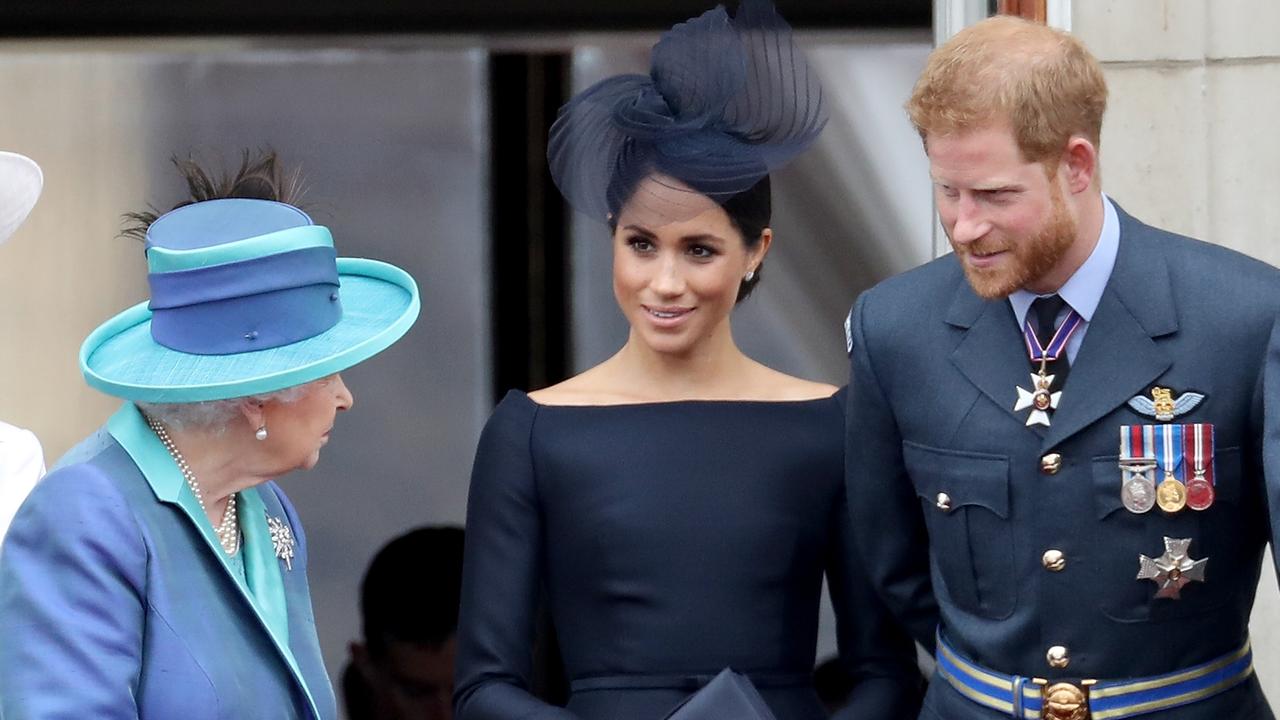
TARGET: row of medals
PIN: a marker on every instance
(1140, 492)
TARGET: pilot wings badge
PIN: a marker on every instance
(1163, 406)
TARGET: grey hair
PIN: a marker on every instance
(213, 415)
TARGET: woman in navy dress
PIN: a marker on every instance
(679, 503)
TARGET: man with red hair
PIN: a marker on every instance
(1055, 457)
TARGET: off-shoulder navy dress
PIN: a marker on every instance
(673, 540)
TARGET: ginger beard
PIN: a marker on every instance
(1030, 258)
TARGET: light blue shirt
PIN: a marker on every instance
(1083, 290)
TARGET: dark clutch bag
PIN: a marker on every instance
(729, 696)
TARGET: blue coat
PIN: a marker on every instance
(931, 411)
(115, 601)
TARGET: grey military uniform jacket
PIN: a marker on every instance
(932, 392)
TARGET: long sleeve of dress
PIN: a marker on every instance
(1265, 418)
(502, 574)
(888, 527)
(71, 603)
(875, 649)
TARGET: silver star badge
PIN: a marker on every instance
(1039, 399)
(1172, 570)
(282, 539)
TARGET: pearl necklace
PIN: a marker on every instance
(228, 530)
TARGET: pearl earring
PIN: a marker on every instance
(751, 275)
(262, 432)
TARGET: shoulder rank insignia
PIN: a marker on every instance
(848, 333)
(1162, 406)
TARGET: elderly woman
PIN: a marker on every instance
(165, 576)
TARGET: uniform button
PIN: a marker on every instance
(1057, 657)
(944, 502)
(1053, 560)
(1050, 464)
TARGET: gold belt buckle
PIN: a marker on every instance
(1064, 700)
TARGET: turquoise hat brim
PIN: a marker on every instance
(379, 305)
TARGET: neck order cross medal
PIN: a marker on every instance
(1041, 398)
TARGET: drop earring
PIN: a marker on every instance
(262, 432)
(751, 275)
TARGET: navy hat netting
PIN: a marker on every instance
(727, 100)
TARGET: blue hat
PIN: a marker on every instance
(727, 101)
(247, 297)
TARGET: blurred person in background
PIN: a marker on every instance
(403, 670)
(21, 457)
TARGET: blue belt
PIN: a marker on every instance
(1025, 698)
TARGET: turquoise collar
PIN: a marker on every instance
(261, 584)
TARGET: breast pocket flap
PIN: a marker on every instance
(965, 478)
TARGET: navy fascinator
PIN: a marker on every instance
(727, 101)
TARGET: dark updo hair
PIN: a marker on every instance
(750, 211)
